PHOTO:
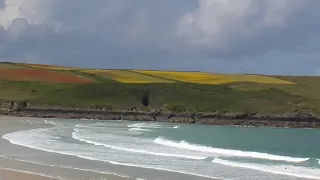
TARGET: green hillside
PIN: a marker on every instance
(300, 96)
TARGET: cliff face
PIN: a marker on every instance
(288, 120)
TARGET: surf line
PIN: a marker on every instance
(75, 136)
(226, 152)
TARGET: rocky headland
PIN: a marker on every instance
(295, 120)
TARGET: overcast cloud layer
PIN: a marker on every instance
(234, 36)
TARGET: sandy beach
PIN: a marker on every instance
(15, 174)
(33, 163)
(6, 174)
(15, 166)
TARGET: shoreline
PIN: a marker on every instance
(12, 167)
(7, 170)
(60, 168)
(239, 119)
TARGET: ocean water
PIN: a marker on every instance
(212, 152)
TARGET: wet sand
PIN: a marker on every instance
(6, 174)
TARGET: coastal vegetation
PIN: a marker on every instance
(40, 75)
(55, 86)
(210, 78)
(125, 76)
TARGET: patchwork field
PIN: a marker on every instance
(39, 72)
(209, 78)
(261, 79)
(178, 91)
(125, 76)
(40, 75)
(188, 77)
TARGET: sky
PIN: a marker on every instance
(223, 36)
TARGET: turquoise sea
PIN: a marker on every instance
(181, 150)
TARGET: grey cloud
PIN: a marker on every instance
(224, 27)
(154, 34)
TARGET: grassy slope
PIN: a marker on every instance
(131, 77)
(177, 97)
(307, 88)
(234, 98)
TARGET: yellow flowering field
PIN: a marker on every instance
(262, 79)
(190, 77)
(126, 76)
(152, 76)
(209, 78)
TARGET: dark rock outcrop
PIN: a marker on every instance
(296, 120)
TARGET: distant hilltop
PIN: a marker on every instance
(50, 73)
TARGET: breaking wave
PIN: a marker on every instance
(227, 152)
(144, 125)
(75, 136)
(50, 122)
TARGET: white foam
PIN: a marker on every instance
(50, 122)
(21, 143)
(176, 127)
(295, 171)
(85, 125)
(133, 150)
(227, 152)
(80, 126)
(144, 125)
(139, 130)
(318, 161)
(5, 157)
